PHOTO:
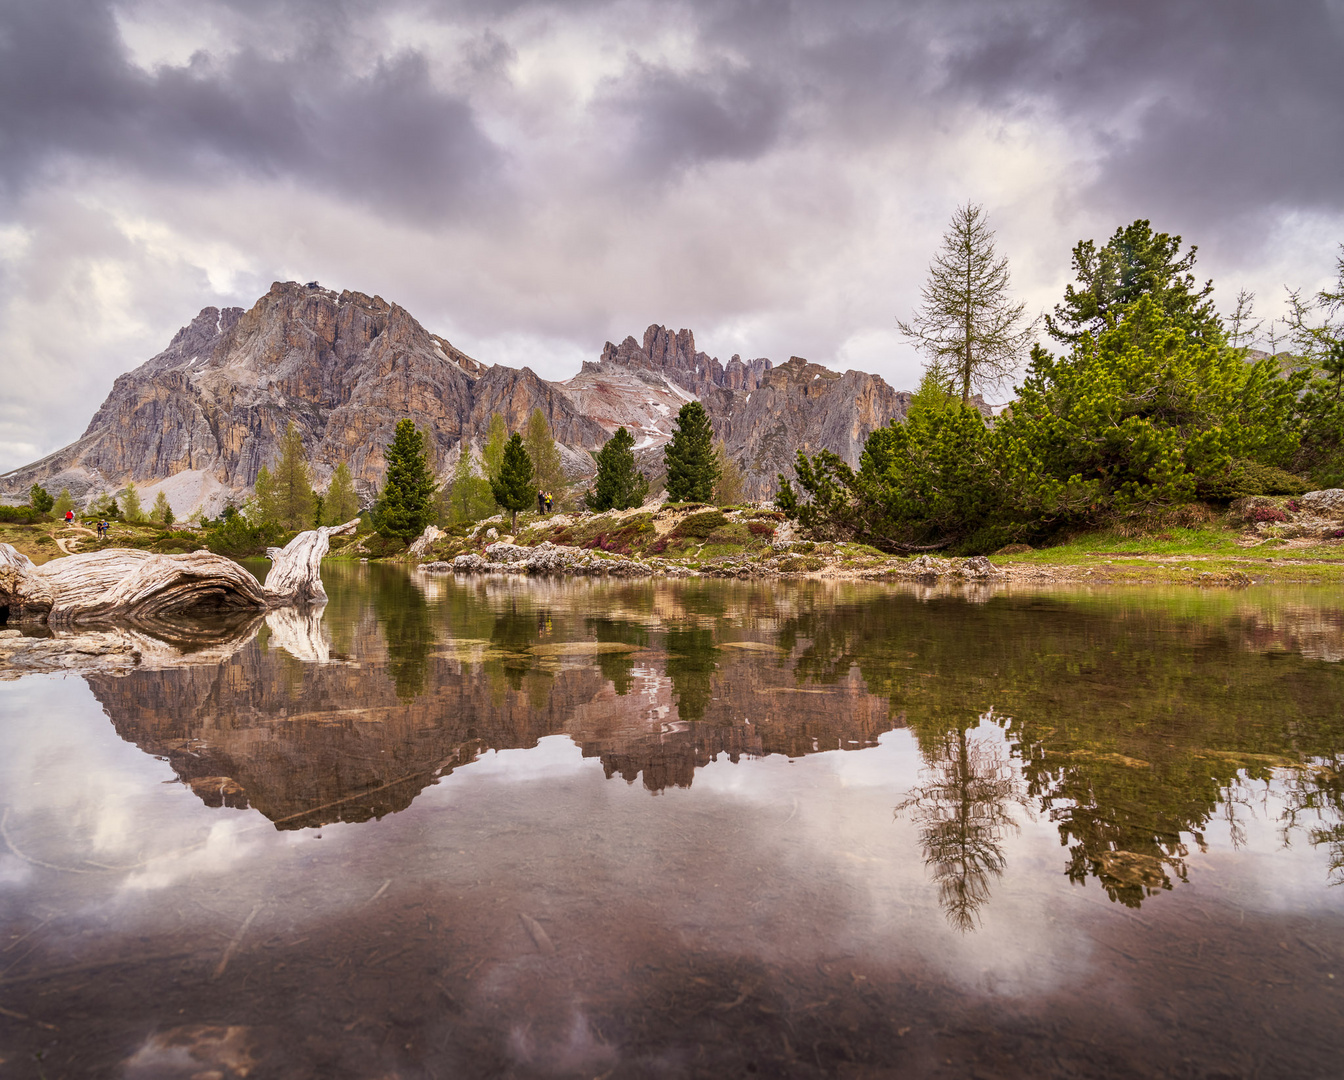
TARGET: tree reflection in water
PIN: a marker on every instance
(962, 810)
(691, 662)
(408, 631)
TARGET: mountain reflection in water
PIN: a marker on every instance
(1013, 764)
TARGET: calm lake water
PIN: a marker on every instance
(467, 827)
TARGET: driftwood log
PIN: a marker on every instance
(124, 582)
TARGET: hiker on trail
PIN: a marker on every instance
(548, 502)
(102, 529)
(69, 517)
(541, 501)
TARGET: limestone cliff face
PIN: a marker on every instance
(343, 367)
(764, 414)
(199, 420)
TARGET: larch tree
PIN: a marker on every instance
(293, 486)
(406, 505)
(131, 510)
(967, 323)
(492, 453)
(469, 494)
(618, 485)
(64, 502)
(692, 470)
(162, 511)
(514, 489)
(731, 487)
(340, 504)
(545, 455)
(265, 508)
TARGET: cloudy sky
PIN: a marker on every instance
(532, 178)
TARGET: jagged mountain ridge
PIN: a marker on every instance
(200, 419)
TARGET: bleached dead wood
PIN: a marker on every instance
(123, 582)
(296, 569)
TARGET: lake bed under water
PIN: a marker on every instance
(504, 827)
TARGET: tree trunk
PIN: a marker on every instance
(123, 582)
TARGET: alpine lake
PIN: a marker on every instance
(511, 827)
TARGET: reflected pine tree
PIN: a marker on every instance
(408, 631)
(1135, 718)
(691, 662)
(961, 809)
(514, 632)
(618, 668)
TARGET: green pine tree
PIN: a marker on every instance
(406, 505)
(1134, 263)
(692, 471)
(618, 485)
(514, 489)
(293, 486)
(131, 510)
(340, 504)
(39, 498)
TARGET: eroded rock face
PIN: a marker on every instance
(200, 419)
(343, 367)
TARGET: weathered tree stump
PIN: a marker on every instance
(123, 582)
(296, 569)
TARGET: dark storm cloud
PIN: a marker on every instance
(1215, 110)
(1225, 108)
(385, 135)
(681, 120)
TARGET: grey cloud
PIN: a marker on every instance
(679, 120)
(386, 137)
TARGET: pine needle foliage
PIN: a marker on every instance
(692, 470)
(514, 489)
(966, 323)
(406, 504)
(619, 485)
(1135, 262)
(469, 494)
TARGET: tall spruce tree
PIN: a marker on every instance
(619, 485)
(513, 488)
(293, 486)
(340, 504)
(1133, 263)
(692, 470)
(406, 505)
(966, 323)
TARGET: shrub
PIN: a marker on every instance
(21, 515)
(1259, 514)
(699, 526)
(760, 528)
